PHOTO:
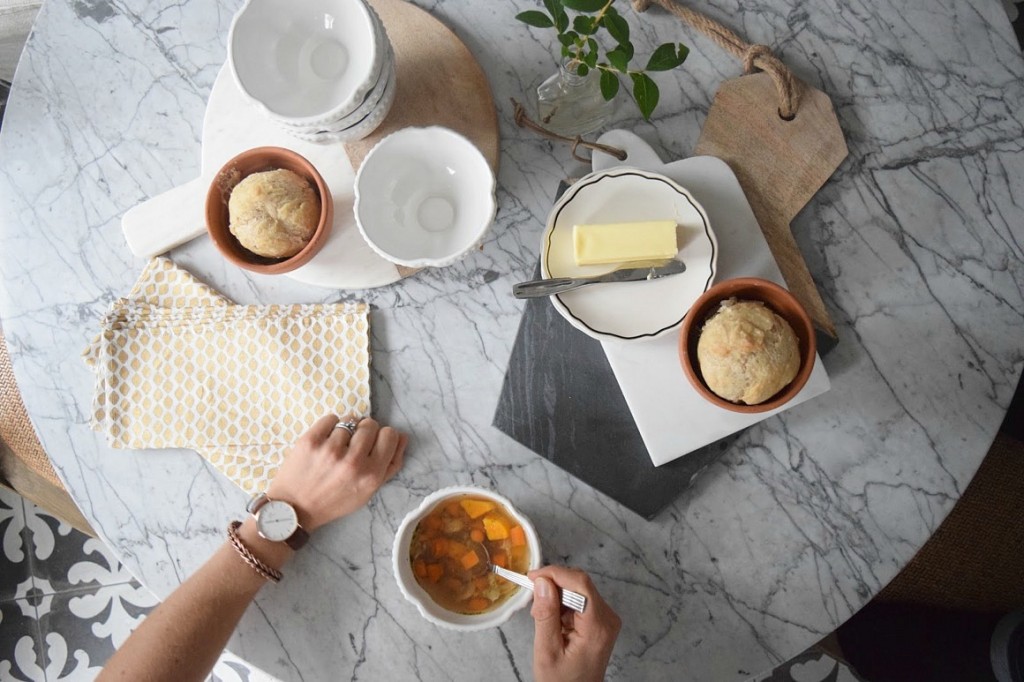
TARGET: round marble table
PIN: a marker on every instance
(916, 244)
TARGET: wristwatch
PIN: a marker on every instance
(277, 521)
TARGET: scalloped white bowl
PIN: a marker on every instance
(361, 127)
(428, 608)
(306, 62)
(424, 197)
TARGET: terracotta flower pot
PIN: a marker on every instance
(234, 171)
(748, 289)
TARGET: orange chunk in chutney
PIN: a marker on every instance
(447, 553)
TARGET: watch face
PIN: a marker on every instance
(277, 521)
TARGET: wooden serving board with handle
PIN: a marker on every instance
(780, 165)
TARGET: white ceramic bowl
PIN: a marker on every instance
(306, 62)
(424, 197)
(359, 128)
(371, 102)
(427, 607)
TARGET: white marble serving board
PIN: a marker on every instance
(232, 125)
(672, 417)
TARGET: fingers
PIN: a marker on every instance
(399, 458)
(598, 618)
(568, 620)
(548, 642)
(364, 437)
(569, 578)
(321, 429)
(384, 449)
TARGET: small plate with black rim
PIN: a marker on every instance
(627, 311)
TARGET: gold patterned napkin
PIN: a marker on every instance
(178, 365)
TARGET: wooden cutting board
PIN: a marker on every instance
(780, 164)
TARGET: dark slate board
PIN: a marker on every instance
(560, 398)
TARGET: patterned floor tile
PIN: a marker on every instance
(83, 628)
(56, 547)
(14, 543)
(231, 668)
(81, 603)
(20, 642)
(812, 665)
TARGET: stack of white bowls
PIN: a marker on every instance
(323, 70)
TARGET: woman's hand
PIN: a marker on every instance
(570, 646)
(330, 473)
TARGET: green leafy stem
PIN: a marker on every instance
(578, 38)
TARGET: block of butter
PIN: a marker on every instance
(621, 242)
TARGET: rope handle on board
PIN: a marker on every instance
(753, 56)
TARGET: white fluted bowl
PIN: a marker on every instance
(424, 197)
(428, 608)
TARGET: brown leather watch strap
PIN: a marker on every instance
(298, 539)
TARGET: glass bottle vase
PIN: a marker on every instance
(571, 104)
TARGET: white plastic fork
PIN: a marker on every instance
(574, 600)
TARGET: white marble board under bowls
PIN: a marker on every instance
(671, 416)
(233, 125)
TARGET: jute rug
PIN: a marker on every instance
(975, 560)
(15, 426)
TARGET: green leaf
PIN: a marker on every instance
(565, 50)
(627, 48)
(584, 5)
(582, 70)
(535, 18)
(618, 59)
(590, 59)
(609, 85)
(645, 92)
(561, 20)
(568, 39)
(617, 27)
(584, 25)
(592, 45)
(555, 9)
(667, 57)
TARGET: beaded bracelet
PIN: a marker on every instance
(265, 571)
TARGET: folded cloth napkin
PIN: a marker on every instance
(178, 365)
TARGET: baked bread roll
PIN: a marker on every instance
(747, 353)
(274, 214)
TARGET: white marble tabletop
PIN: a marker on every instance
(916, 244)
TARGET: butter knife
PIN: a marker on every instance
(557, 285)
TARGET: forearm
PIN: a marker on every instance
(330, 472)
(183, 637)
